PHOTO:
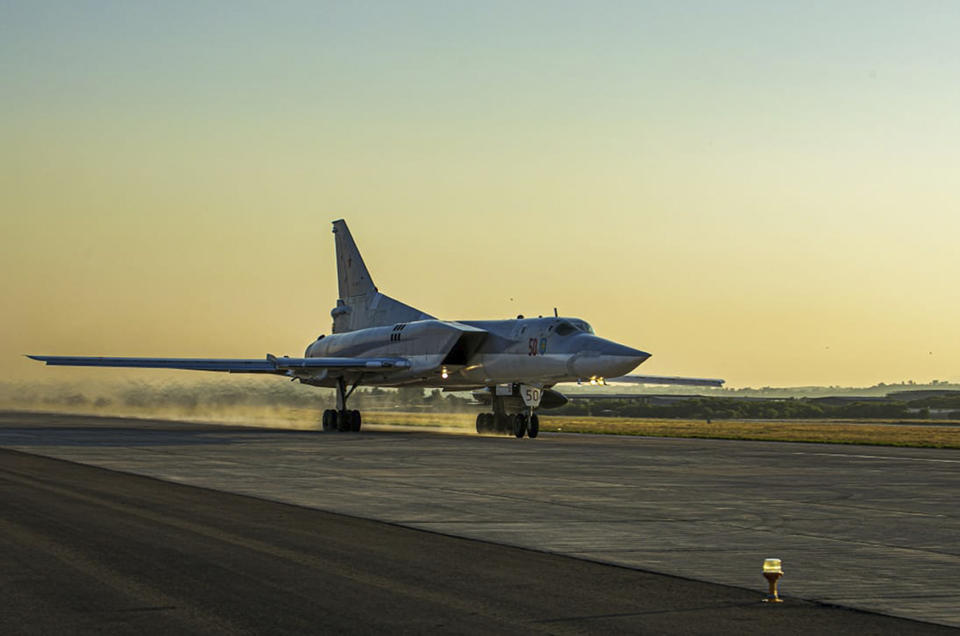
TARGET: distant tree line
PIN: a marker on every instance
(787, 409)
(877, 390)
(236, 393)
(217, 395)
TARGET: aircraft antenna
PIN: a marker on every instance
(555, 314)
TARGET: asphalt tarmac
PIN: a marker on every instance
(90, 550)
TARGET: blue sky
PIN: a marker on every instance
(756, 190)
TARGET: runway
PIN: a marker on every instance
(866, 527)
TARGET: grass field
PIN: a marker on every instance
(886, 433)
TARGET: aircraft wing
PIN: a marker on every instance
(661, 379)
(270, 364)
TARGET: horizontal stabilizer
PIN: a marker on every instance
(660, 379)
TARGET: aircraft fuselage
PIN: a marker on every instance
(479, 353)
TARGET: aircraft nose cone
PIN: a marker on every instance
(607, 359)
(622, 360)
(623, 351)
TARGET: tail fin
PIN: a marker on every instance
(352, 272)
(360, 304)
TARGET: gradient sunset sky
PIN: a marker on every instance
(767, 192)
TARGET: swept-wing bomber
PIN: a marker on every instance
(376, 340)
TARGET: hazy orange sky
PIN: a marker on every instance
(766, 192)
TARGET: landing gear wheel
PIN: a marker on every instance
(481, 423)
(533, 429)
(342, 419)
(329, 420)
(519, 425)
(488, 423)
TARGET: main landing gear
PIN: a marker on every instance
(334, 420)
(518, 424)
(341, 419)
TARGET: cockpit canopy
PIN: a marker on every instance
(567, 327)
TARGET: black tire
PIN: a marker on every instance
(344, 421)
(533, 429)
(355, 415)
(489, 423)
(481, 423)
(519, 425)
(329, 420)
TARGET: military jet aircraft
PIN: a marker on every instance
(379, 341)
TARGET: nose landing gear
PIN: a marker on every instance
(524, 422)
(518, 425)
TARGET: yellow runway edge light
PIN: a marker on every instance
(772, 571)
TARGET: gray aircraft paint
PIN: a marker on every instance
(495, 352)
(367, 323)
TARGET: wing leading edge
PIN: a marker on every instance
(662, 379)
(270, 364)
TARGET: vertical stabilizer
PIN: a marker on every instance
(352, 274)
(360, 304)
